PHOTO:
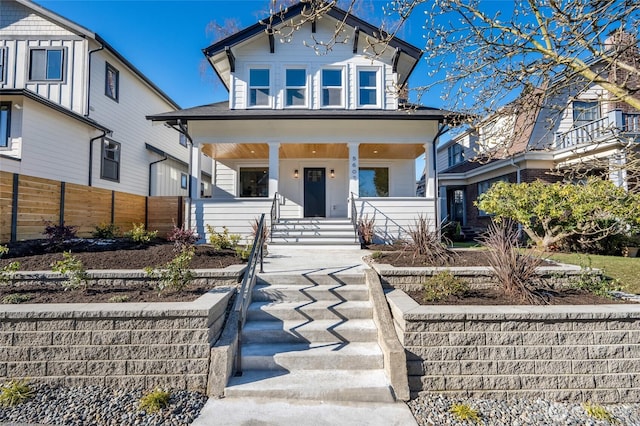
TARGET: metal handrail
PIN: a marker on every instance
(354, 216)
(243, 297)
(275, 213)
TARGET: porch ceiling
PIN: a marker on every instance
(327, 150)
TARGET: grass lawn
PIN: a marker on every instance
(625, 269)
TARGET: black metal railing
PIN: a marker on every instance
(275, 213)
(354, 215)
(243, 298)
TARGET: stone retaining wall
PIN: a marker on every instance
(120, 345)
(577, 353)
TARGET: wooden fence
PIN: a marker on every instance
(27, 203)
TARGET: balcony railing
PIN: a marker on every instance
(606, 128)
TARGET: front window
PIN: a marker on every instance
(184, 179)
(456, 154)
(585, 112)
(254, 182)
(367, 88)
(111, 84)
(332, 87)
(296, 90)
(374, 182)
(5, 124)
(259, 87)
(3, 62)
(110, 168)
(45, 64)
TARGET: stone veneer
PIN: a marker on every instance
(120, 345)
(577, 353)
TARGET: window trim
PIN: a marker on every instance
(287, 87)
(63, 62)
(269, 103)
(5, 144)
(184, 181)
(3, 64)
(103, 157)
(343, 87)
(596, 106)
(252, 166)
(373, 167)
(108, 67)
(452, 155)
(378, 88)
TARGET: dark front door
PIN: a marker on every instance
(315, 189)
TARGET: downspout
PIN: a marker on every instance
(151, 164)
(442, 129)
(91, 141)
(518, 169)
(181, 127)
(91, 52)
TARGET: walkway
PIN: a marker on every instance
(283, 260)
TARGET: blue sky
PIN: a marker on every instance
(164, 38)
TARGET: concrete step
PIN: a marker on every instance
(328, 233)
(301, 331)
(316, 240)
(321, 385)
(312, 356)
(298, 293)
(309, 310)
(313, 279)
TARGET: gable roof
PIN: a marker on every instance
(218, 52)
(86, 33)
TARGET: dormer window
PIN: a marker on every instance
(585, 112)
(259, 87)
(368, 88)
(296, 87)
(332, 88)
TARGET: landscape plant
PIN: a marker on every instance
(58, 233)
(598, 412)
(140, 234)
(366, 229)
(443, 285)
(513, 266)
(182, 238)
(154, 400)
(7, 271)
(106, 231)
(222, 240)
(464, 413)
(598, 284)
(16, 298)
(427, 242)
(255, 224)
(15, 392)
(175, 274)
(73, 269)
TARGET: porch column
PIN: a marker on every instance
(354, 169)
(429, 172)
(617, 169)
(194, 179)
(274, 167)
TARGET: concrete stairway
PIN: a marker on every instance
(311, 337)
(314, 231)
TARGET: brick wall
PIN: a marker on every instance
(120, 345)
(575, 353)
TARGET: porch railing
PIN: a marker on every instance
(243, 298)
(601, 130)
(275, 212)
(631, 122)
(354, 215)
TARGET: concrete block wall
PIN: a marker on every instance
(575, 353)
(119, 345)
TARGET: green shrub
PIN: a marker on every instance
(243, 252)
(598, 412)
(73, 269)
(222, 240)
(175, 274)
(139, 234)
(464, 413)
(16, 298)
(443, 285)
(154, 401)
(596, 284)
(106, 231)
(15, 392)
(119, 299)
(7, 270)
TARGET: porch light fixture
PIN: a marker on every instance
(295, 173)
(332, 173)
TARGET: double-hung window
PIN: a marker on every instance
(5, 124)
(112, 82)
(332, 88)
(296, 87)
(46, 64)
(585, 112)
(259, 87)
(110, 167)
(367, 88)
(456, 154)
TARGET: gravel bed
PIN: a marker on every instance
(95, 405)
(434, 410)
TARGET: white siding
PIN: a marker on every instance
(394, 217)
(16, 19)
(236, 215)
(166, 178)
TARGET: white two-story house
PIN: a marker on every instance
(73, 109)
(312, 136)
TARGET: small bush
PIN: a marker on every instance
(106, 231)
(598, 412)
(7, 270)
(426, 241)
(443, 285)
(154, 401)
(175, 274)
(182, 238)
(243, 252)
(16, 298)
(366, 230)
(254, 229)
(57, 233)
(596, 284)
(376, 255)
(15, 392)
(73, 269)
(119, 299)
(222, 240)
(139, 234)
(464, 413)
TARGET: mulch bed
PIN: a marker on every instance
(39, 255)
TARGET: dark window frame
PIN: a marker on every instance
(106, 148)
(455, 154)
(107, 90)
(184, 181)
(3, 64)
(4, 139)
(258, 189)
(46, 78)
